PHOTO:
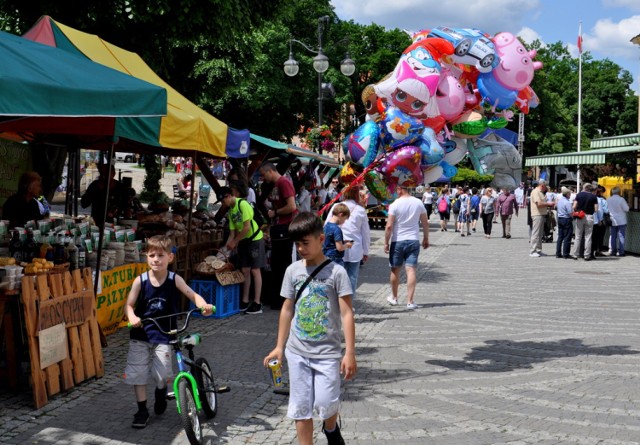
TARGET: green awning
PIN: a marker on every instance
(589, 157)
(624, 140)
(294, 150)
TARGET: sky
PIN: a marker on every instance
(607, 25)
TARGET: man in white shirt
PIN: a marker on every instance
(401, 242)
(618, 209)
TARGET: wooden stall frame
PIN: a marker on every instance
(84, 359)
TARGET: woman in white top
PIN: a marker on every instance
(355, 229)
(427, 200)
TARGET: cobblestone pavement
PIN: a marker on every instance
(505, 349)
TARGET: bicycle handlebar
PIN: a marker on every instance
(173, 331)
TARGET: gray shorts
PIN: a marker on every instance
(251, 254)
(314, 384)
(144, 358)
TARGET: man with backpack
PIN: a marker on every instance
(246, 236)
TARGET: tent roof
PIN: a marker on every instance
(185, 127)
(44, 89)
(294, 150)
(588, 157)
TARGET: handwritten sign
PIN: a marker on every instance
(73, 309)
(115, 286)
(53, 345)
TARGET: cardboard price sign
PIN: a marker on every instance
(53, 345)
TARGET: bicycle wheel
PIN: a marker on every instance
(189, 412)
(206, 386)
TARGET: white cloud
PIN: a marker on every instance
(529, 35)
(491, 16)
(612, 39)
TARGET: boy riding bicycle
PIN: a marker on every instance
(312, 317)
(154, 294)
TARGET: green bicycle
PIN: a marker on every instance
(194, 386)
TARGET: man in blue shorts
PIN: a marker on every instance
(402, 242)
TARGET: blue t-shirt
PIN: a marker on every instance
(154, 302)
(332, 233)
(475, 203)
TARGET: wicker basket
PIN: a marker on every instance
(227, 267)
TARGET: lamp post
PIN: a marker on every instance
(320, 64)
(636, 41)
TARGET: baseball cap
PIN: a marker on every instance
(223, 193)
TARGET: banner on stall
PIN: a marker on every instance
(115, 285)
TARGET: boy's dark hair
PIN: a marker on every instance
(239, 187)
(305, 224)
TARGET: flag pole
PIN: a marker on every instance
(579, 102)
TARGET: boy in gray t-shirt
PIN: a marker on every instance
(312, 325)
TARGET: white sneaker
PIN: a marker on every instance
(412, 306)
(534, 254)
(392, 301)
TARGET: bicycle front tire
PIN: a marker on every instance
(206, 387)
(189, 412)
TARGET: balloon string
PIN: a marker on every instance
(353, 183)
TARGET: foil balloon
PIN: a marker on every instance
(398, 129)
(451, 96)
(471, 124)
(349, 172)
(402, 167)
(431, 150)
(455, 150)
(376, 184)
(363, 143)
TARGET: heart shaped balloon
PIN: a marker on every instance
(402, 167)
(363, 143)
(398, 129)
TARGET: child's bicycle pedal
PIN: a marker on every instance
(222, 388)
(171, 395)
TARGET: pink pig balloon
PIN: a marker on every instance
(450, 96)
(516, 67)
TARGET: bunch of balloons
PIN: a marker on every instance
(449, 87)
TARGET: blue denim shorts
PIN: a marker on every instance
(401, 252)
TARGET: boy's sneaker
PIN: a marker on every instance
(254, 308)
(244, 306)
(140, 419)
(160, 404)
(412, 306)
(392, 301)
(334, 437)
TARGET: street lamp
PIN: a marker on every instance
(320, 64)
(636, 41)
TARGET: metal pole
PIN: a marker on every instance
(320, 29)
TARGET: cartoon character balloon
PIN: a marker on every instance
(362, 144)
(402, 167)
(513, 73)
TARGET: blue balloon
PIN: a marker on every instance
(398, 129)
(363, 144)
(432, 151)
(494, 93)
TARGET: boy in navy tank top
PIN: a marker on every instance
(155, 293)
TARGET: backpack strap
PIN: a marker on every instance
(311, 276)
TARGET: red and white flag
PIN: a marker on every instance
(580, 39)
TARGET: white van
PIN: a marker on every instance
(126, 157)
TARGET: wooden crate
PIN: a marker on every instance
(69, 296)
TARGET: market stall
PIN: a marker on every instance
(601, 152)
